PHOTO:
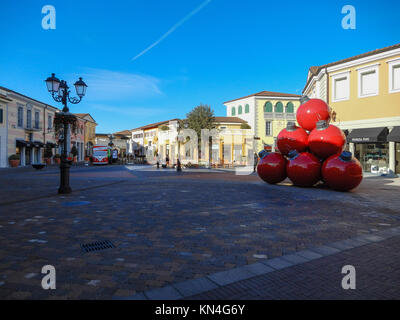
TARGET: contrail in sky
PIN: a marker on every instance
(176, 26)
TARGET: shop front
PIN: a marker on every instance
(394, 141)
(371, 148)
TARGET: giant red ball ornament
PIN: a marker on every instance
(312, 111)
(272, 168)
(342, 172)
(326, 140)
(292, 138)
(303, 169)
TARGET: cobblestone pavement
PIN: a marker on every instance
(167, 226)
(377, 277)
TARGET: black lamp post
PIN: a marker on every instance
(60, 92)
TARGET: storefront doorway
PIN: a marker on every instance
(397, 157)
(374, 157)
(28, 158)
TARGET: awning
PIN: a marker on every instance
(38, 144)
(394, 135)
(51, 144)
(23, 143)
(368, 135)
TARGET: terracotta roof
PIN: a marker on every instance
(81, 114)
(268, 94)
(229, 120)
(156, 124)
(124, 132)
(316, 69)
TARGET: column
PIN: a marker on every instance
(392, 157)
(40, 155)
(352, 148)
(22, 160)
(32, 155)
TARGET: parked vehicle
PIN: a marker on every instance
(100, 155)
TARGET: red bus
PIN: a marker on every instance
(100, 155)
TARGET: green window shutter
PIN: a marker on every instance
(289, 107)
(240, 110)
(268, 107)
(279, 107)
(247, 109)
(233, 111)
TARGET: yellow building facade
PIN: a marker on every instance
(364, 94)
(267, 113)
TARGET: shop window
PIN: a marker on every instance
(240, 110)
(233, 111)
(289, 108)
(394, 76)
(341, 87)
(268, 128)
(246, 108)
(268, 107)
(368, 81)
(279, 107)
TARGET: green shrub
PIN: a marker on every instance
(14, 157)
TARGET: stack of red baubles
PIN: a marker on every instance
(312, 152)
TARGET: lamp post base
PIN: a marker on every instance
(64, 178)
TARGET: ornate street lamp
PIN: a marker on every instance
(59, 90)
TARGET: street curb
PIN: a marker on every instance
(188, 288)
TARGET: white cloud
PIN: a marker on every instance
(106, 85)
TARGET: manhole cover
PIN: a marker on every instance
(97, 246)
(75, 203)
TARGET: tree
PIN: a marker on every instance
(201, 117)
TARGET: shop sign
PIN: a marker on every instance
(360, 139)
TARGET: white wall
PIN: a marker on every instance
(249, 117)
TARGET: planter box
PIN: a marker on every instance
(14, 163)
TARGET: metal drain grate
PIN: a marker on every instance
(97, 246)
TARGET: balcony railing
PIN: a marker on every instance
(32, 128)
(279, 116)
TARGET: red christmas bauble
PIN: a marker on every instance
(326, 140)
(342, 172)
(272, 168)
(303, 169)
(292, 138)
(312, 111)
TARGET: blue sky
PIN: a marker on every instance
(225, 50)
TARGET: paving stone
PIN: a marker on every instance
(295, 258)
(325, 250)
(194, 286)
(308, 254)
(372, 238)
(137, 296)
(278, 263)
(226, 277)
(341, 245)
(355, 243)
(258, 268)
(164, 293)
